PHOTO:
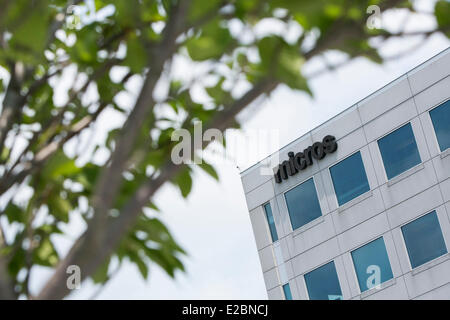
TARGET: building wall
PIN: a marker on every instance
(382, 211)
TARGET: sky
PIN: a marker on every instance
(213, 224)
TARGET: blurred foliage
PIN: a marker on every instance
(109, 44)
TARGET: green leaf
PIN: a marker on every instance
(220, 96)
(4, 155)
(59, 165)
(31, 33)
(59, 208)
(101, 275)
(209, 169)
(202, 8)
(136, 57)
(14, 213)
(85, 49)
(282, 60)
(184, 181)
(211, 44)
(289, 69)
(143, 269)
(45, 254)
(442, 13)
(17, 262)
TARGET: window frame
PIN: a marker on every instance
(287, 207)
(317, 267)
(267, 221)
(381, 156)
(332, 183)
(432, 124)
(405, 248)
(290, 291)
(353, 263)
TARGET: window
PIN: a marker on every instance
(303, 204)
(287, 291)
(372, 264)
(271, 222)
(399, 151)
(349, 178)
(440, 116)
(323, 283)
(423, 239)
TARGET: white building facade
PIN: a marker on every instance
(370, 219)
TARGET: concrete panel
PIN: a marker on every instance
(377, 162)
(271, 279)
(313, 236)
(390, 121)
(411, 185)
(385, 99)
(340, 126)
(424, 76)
(260, 228)
(420, 139)
(350, 274)
(445, 189)
(358, 213)
(432, 278)
(316, 257)
(253, 178)
(447, 207)
(260, 195)
(433, 96)
(340, 270)
(346, 146)
(395, 290)
(400, 248)
(301, 287)
(283, 215)
(441, 293)
(442, 167)
(430, 135)
(363, 232)
(423, 202)
(267, 258)
(276, 293)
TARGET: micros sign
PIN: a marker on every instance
(301, 160)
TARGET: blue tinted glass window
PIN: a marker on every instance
(423, 239)
(323, 283)
(399, 151)
(369, 261)
(287, 291)
(303, 204)
(349, 178)
(440, 117)
(271, 222)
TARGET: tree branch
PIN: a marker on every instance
(88, 257)
(90, 245)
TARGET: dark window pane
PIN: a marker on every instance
(349, 178)
(423, 239)
(271, 222)
(303, 204)
(371, 260)
(323, 283)
(399, 151)
(287, 292)
(440, 117)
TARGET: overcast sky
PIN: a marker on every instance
(213, 223)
